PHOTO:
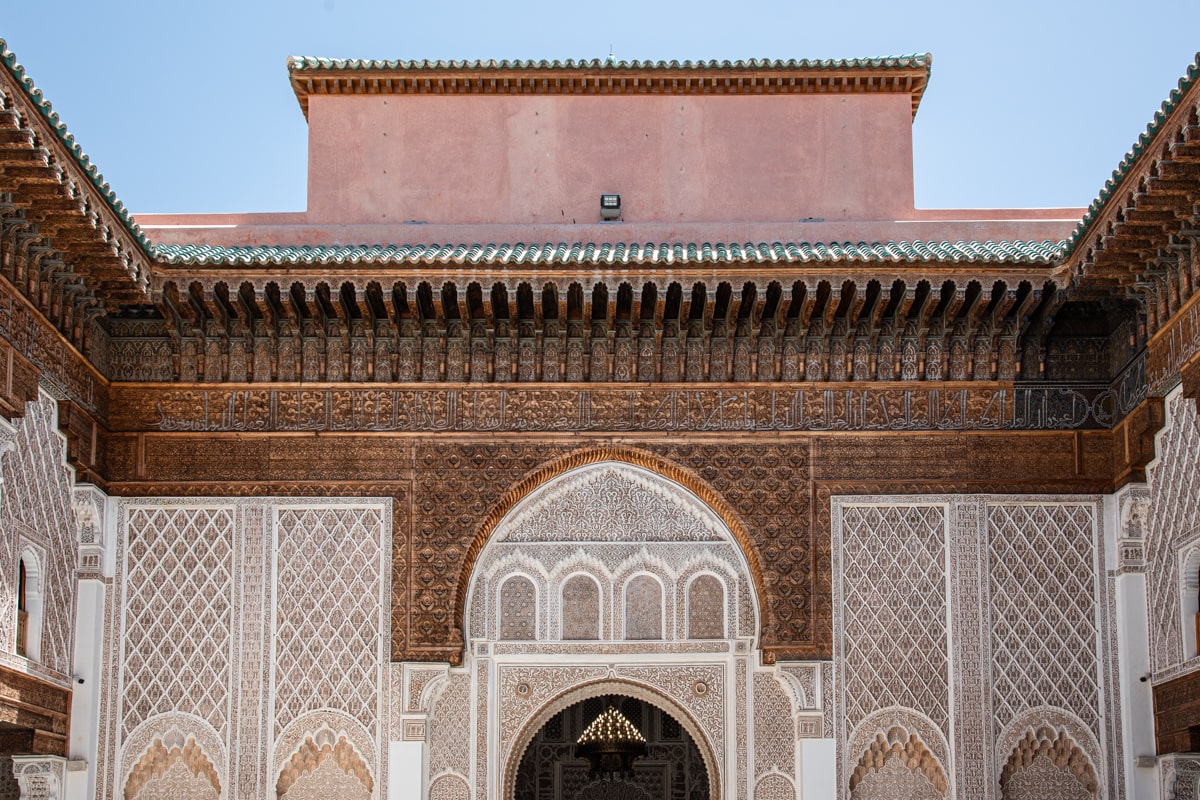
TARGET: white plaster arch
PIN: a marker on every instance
(911, 720)
(32, 558)
(611, 519)
(323, 721)
(1051, 717)
(666, 602)
(580, 562)
(687, 578)
(539, 594)
(310, 748)
(174, 728)
(609, 686)
(1189, 597)
(560, 586)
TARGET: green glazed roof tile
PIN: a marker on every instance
(309, 63)
(9, 59)
(1113, 184)
(623, 253)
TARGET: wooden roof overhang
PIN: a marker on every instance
(321, 76)
(1140, 238)
(759, 305)
(68, 244)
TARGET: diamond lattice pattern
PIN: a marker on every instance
(329, 612)
(894, 610)
(178, 618)
(1043, 591)
(37, 492)
(1174, 519)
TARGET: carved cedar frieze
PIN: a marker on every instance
(819, 407)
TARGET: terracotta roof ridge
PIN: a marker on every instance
(50, 116)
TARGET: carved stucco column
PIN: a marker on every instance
(1179, 776)
(40, 777)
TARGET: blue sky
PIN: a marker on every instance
(185, 107)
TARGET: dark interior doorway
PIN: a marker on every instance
(673, 768)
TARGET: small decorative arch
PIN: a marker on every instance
(518, 604)
(587, 456)
(644, 607)
(774, 786)
(325, 764)
(610, 686)
(30, 602)
(1048, 763)
(581, 595)
(706, 607)
(173, 766)
(1189, 600)
(449, 787)
(897, 764)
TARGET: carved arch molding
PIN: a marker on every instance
(639, 458)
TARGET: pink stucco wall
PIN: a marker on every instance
(545, 159)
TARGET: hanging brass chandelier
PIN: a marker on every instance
(611, 744)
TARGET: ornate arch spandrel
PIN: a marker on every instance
(313, 752)
(594, 455)
(160, 758)
(1059, 756)
(600, 688)
(903, 751)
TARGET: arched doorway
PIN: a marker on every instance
(610, 578)
(551, 769)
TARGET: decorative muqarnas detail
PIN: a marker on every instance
(1048, 763)
(174, 767)
(898, 759)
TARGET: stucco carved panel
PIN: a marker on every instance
(37, 508)
(1173, 519)
(178, 611)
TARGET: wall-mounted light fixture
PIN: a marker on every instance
(610, 206)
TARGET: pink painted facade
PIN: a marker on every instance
(437, 168)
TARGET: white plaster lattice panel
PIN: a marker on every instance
(37, 505)
(450, 742)
(774, 734)
(611, 521)
(620, 503)
(1174, 481)
(891, 623)
(177, 607)
(330, 611)
(1043, 594)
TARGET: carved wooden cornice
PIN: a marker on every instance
(322, 76)
(620, 332)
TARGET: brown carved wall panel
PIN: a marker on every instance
(48, 352)
(37, 707)
(1177, 714)
(766, 484)
(449, 489)
(456, 484)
